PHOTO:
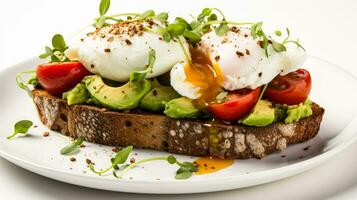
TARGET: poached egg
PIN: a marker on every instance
(237, 61)
(115, 51)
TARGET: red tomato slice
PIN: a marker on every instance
(237, 105)
(290, 89)
(57, 78)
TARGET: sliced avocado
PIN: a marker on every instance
(77, 95)
(181, 108)
(263, 114)
(159, 95)
(296, 112)
(125, 97)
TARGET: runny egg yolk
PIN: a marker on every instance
(208, 165)
(205, 75)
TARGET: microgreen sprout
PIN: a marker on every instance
(257, 32)
(119, 159)
(140, 75)
(24, 84)
(21, 127)
(72, 148)
(185, 171)
(56, 53)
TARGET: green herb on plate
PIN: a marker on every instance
(72, 148)
(184, 172)
(21, 127)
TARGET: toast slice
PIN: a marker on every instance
(158, 132)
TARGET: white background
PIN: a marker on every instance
(326, 28)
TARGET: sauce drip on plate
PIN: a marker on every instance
(205, 75)
(208, 165)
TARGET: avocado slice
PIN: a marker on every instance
(125, 97)
(263, 114)
(77, 95)
(159, 95)
(296, 112)
(181, 108)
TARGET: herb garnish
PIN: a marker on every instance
(56, 54)
(257, 32)
(184, 172)
(72, 148)
(24, 84)
(21, 127)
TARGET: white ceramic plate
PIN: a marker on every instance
(333, 88)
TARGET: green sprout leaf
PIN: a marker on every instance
(183, 175)
(278, 47)
(176, 29)
(166, 35)
(140, 75)
(171, 159)
(104, 7)
(205, 13)
(21, 127)
(146, 14)
(57, 43)
(163, 17)
(222, 29)
(57, 53)
(23, 84)
(182, 21)
(122, 155)
(119, 158)
(72, 148)
(192, 36)
(212, 17)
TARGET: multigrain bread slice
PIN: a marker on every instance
(158, 132)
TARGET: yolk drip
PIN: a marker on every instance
(208, 165)
(205, 75)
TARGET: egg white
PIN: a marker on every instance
(116, 56)
(242, 61)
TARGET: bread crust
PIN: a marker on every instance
(158, 132)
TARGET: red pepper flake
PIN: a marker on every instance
(307, 148)
(46, 134)
(260, 74)
(72, 159)
(217, 58)
(132, 160)
(116, 149)
(247, 52)
(107, 50)
(82, 145)
(89, 161)
(128, 42)
(239, 54)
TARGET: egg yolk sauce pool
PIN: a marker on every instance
(206, 165)
(205, 75)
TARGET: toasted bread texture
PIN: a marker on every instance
(181, 136)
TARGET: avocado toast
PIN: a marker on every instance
(209, 87)
(158, 132)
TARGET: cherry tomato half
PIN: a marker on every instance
(238, 103)
(57, 78)
(290, 89)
